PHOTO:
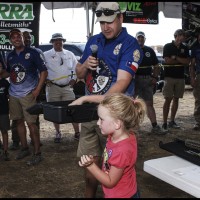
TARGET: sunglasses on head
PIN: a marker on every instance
(106, 12)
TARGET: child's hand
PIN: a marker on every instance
(78, 101)
(86, 161)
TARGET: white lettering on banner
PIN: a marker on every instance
(14, 11)
(15, 25)
(6, 47)
(152, 21)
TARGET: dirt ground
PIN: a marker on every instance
(59, 175)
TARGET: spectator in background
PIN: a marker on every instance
(23, 67)
(118, 57)
(146, 78)
(195, 80)
(15, 137)
(61, 65)
(2, 64)
(119, 115)
(4, 113)
(176, 56)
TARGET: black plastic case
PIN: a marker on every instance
(59, 112)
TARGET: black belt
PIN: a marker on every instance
(60, 85)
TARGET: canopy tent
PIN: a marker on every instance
(169, 9)
(86, 5)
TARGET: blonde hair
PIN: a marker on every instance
(131, 112)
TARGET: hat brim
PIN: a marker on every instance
(104, 18)
(64, 40)
(15, 32)
(141, 35)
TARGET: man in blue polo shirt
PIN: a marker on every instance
(23, 65)
(118, 56)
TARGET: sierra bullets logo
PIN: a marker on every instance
(15, 11)
(23, 16)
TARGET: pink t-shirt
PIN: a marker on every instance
(122, 154)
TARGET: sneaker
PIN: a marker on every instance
(5, 156)
(57, 139)
(164, 129)
(156, 129)
(14, 146)
(23, 153)
(77, 136)
(36, 159)
(173, 124)
(196, 127)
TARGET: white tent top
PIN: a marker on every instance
(170, 9)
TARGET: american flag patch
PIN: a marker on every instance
(132, 65)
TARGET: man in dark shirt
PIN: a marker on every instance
(176, 56)
(195, 80)
(146, 78)
(4, 112)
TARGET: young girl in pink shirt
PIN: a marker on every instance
(119, 116)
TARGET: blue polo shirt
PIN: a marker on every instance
(24, 69)
(122, 53)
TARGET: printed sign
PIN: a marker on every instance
(24, 16)
(191, 22)
(140, 12)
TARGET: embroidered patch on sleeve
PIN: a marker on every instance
(132, 65)
(136, 55)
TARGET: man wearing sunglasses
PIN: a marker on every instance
(118, 56)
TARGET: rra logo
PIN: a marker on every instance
(13, 11)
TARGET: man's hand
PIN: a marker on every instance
(91, 63)
(35, 92)
(72, 82)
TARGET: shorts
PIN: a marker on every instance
(144, 87)
(173, 87)
(56, 93)
(91, 141)
(18, 106)
(4, 122)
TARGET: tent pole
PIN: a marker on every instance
(93, 16)
(87, 20)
